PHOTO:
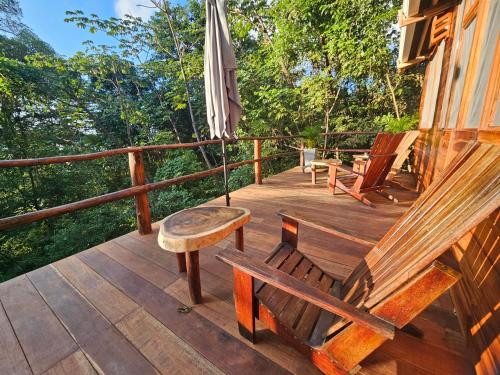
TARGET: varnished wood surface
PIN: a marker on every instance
(113, 308)
(196, 228)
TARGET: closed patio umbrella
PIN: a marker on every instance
(221, 89)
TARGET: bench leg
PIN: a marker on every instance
(181, 262)
(239, 244)
(193, 276)
(332, 177)
(244, 303)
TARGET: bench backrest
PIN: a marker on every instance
(382, 155)
(403, 149)
(464, 195)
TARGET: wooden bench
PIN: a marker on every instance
(338, 323)
(375, 170)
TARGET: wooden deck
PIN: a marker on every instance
(113, 309)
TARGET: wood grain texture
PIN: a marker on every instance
(111, 302)
(43, 338)
(290, 190)
(257, 155)
(379, 164)
(138, 177)
(138, 264)
(101, 341)
(205, 338)
(222, 313)
(397, 280)
(193, 275)
(282, 280)
(166, 351)
(196, 228)
(12, 358)
(75, 364)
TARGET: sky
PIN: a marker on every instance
(46, 19)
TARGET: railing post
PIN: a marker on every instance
(143, 213)
(301, 161)
(257, 154)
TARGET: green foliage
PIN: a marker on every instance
(304, 66)
(41, 243)
(193, 193)
(241, 177)
(393, 125)
(311, 136)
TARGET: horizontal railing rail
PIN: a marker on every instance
(99, 155)
(140, 187)
(30, 217)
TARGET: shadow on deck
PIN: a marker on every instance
(113, 308)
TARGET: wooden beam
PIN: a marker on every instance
(407, 64)
(290, 231)
(193, 276)
(257, 155)
(326, 228)
(30, 217)
(244, 303)
(137, 175)
(239, 243)
(98, 155)
(427, 14)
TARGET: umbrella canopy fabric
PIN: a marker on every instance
(221, 89)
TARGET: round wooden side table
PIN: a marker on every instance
(188, 231)
(322, 164)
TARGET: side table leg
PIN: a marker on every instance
(193, 276)
(239, 239)
(313, 174)
(181, 262)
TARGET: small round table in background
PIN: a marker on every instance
(322, 164)
(188, 231)
(360, 161)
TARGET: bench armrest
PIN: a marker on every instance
(326, 227)
(291, 285)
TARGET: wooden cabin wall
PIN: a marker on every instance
(477, 295)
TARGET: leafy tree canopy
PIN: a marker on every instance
(305, 66)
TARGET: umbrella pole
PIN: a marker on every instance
(226, 172)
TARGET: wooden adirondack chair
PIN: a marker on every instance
(403, 151)
(382, 155)
(338, 323)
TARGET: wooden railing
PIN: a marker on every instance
(139, 187)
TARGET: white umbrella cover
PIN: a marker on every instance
(221, 89)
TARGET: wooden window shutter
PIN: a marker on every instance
(440, 29)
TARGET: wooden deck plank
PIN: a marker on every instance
(138, 264)
(75, 364)
(111, 302)
(43, 338)
(129, 290)
(167, 352)
(12, 360)
(103, 344)
(147, 247)
(223, 315)
(199, 332)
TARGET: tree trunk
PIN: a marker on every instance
(163, 7)
(327, 121)
(393, 95)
